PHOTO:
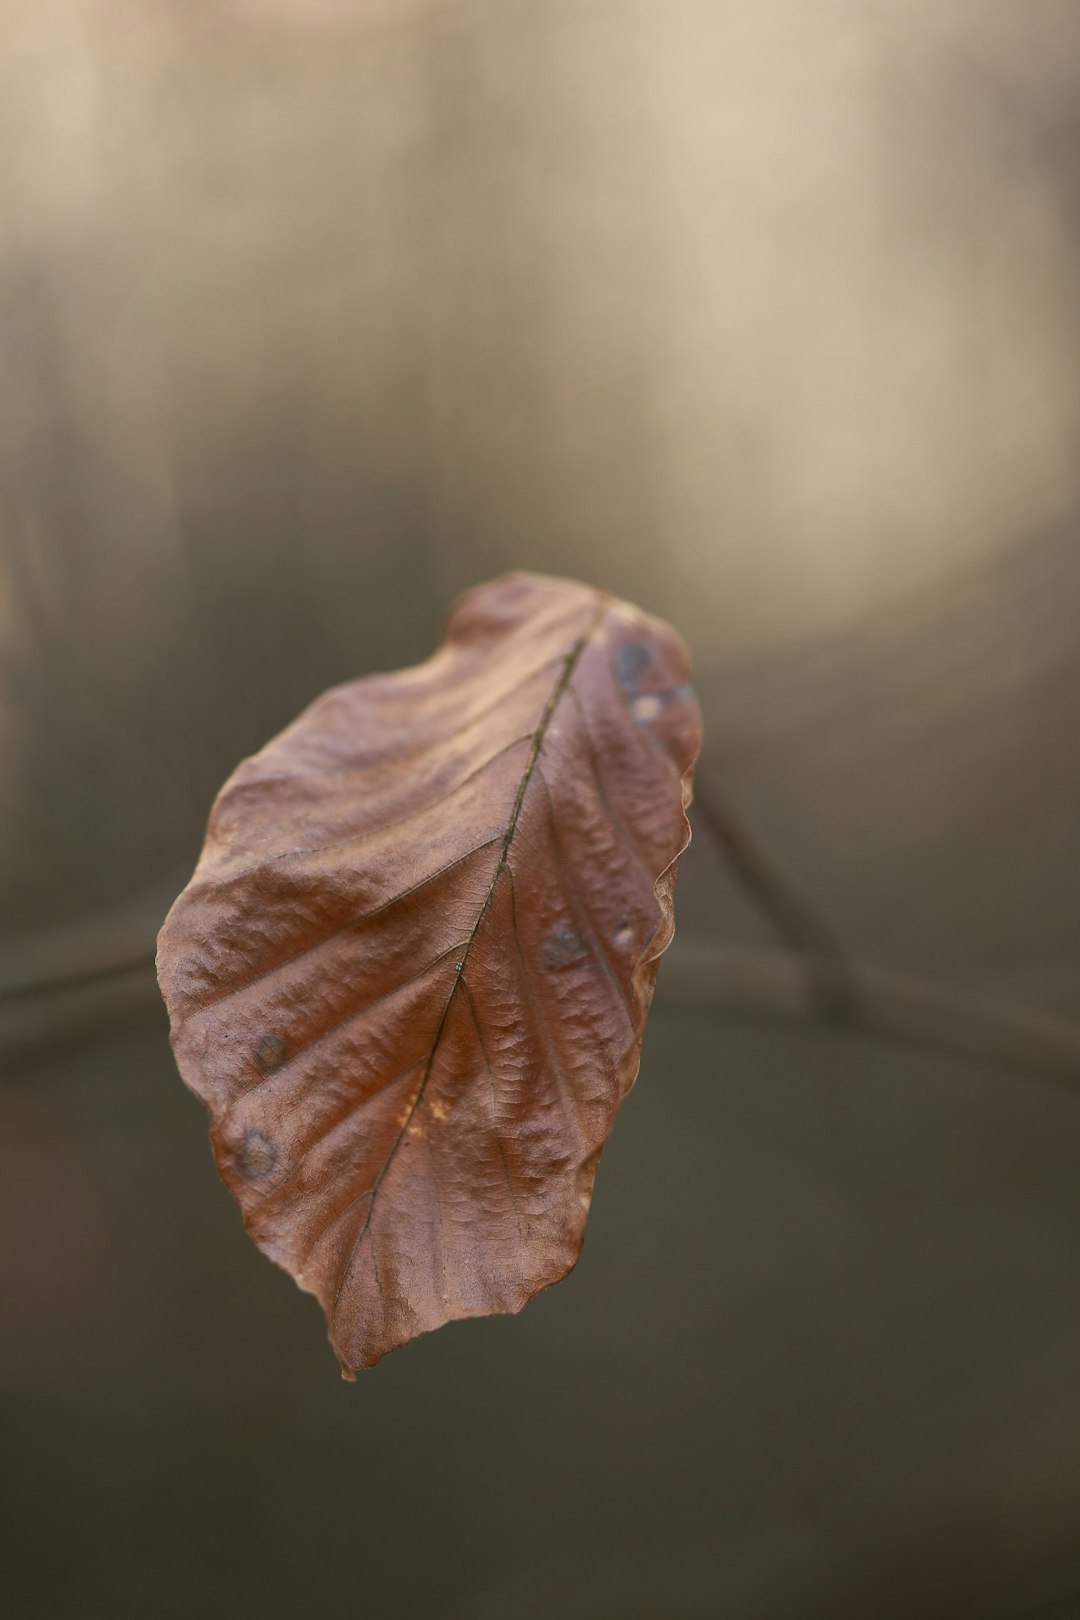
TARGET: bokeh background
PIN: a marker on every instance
(763, 313)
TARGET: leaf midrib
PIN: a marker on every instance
(569, 664)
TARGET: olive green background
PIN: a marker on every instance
(766, 316)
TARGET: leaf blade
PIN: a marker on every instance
(322, 954)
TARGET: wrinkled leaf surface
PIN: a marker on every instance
(410, 975)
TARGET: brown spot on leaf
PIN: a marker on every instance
(256, 1156)
(562, 947)
(270, 1053)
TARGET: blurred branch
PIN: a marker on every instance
(35, 1023)
(767, 983)
(89, 975)
(58, 998)
(34, 989)
(794, 921)
(814, 975)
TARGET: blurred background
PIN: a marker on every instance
(766, 316)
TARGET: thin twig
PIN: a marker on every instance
(775, 984)
(49, 996)
(814, 974)
(32, 989)
(795, 922)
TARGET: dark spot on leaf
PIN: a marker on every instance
(630, 662)
(561, 947)
(256, 1156)
(270, 1053)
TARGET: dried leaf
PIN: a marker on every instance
(410, 975)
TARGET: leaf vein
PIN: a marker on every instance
(343, 1023)
(364, 917)
(580, 911)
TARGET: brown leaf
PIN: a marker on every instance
(410, 975)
